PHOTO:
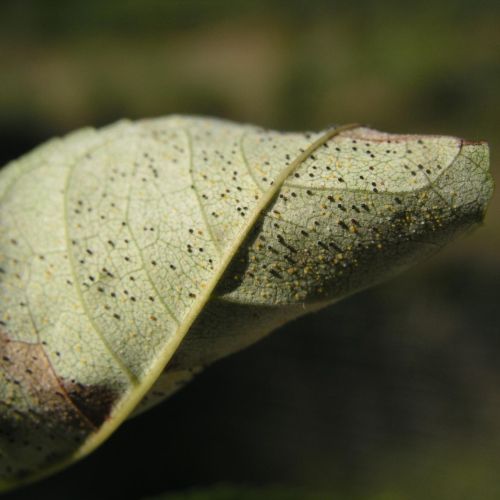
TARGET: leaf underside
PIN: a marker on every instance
(135, 255)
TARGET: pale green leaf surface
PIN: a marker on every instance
(133, 256)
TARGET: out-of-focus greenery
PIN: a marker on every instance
(295, 64)
(393, 394)
(228, 492)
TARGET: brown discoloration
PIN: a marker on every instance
(473, 143)
(95, 402)
(26, 366)
(42, 418)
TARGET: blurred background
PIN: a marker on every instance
(394, 393)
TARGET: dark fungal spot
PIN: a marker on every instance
(93, 401)
(275, 273)
(333, 245)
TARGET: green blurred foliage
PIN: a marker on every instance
(228, 492)
(390, 395)
(396, 66)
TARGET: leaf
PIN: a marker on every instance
(116, 243)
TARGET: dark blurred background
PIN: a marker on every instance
(393, 394)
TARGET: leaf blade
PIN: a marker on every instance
(112, 267)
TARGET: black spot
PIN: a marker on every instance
(275, 273)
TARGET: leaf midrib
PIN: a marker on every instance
(132, 398)
(125, 407)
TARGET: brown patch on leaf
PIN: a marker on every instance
(26, 369)
(95, 401)
(42, 418)
(465, 142)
